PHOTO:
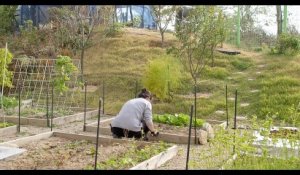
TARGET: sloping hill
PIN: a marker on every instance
(123, 55)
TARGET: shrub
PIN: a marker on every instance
(216, 72)
(287, 45)
(64, 68)
(114, 30)
(241, 64)
(9, 102)
(4, 65)
(162, 71)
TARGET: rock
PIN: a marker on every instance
(220, 112)
(202, 137)
(210, 131)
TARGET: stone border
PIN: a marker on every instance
(25, 140)
(156, 161)
(151, 163)
(56, 121)
(8, 130)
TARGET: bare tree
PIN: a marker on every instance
(162, 15)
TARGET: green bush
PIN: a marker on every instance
(162, 72)
(6, 124)
(241, 64)
(64, 68)
(216, 72)
(114, 30)
(9, 102)
(287, 45)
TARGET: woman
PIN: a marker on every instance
(134, 115)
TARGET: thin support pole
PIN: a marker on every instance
(235, 110)
(47, 106)
(103, 95)
(169, 94)
(52, 104)
(189, 142)
(19, 125)
(97, 138)
(136, 88)
(227, 122)
(195, 119)
(84, 116)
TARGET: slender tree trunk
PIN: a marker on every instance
(279, 20)
(131, 16)
(82, 53)
(116, 16)
(142, 21)
(162, 38)
(127, 13)
(212, 57)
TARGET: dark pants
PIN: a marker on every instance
(120, 132)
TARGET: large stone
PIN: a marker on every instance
(202, 137)
(210, 131)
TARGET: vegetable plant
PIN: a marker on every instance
(176, 119)
(5, 124)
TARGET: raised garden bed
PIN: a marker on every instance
(7, 128)
(56, 121)
(55, 150)
(167, 133)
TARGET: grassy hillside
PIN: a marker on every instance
(266, 85)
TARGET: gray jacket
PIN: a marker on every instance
(132, 113)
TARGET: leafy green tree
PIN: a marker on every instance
(163, 14)
(196, 34)
(7, 13)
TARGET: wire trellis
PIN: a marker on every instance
(35, 76)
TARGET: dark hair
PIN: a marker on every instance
(144, 93)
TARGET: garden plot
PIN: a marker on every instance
(8, 130)
(40, 119)
(55, 150)
(167, 133)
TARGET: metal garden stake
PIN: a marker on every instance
(84, 115)
(189, 140)
(97, 137)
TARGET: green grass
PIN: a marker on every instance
(263, 163)
(121, 62)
